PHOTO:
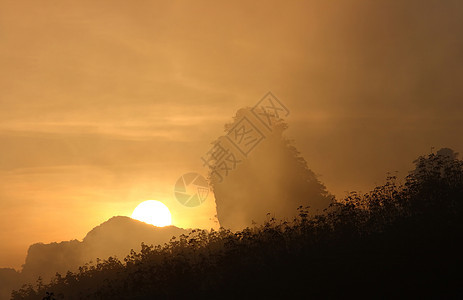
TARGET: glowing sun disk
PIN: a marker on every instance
(153, 212)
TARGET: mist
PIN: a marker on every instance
(105, 105)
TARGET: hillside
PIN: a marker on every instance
(393, 242)
(113, 238)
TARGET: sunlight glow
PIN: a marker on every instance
(153, 212)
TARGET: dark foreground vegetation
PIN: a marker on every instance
(395, 241)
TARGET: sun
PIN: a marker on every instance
(153, 212)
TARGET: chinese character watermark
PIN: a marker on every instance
(244, 136)
(228, 151)
(269, 109)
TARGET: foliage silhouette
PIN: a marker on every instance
(395, 241)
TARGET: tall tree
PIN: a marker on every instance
(271, 177)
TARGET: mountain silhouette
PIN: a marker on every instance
(9, 280)
(115, 237)
(118, 235)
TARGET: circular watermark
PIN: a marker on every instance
(191, 189)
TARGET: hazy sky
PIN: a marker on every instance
(104, 104)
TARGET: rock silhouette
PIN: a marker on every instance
(274, 178)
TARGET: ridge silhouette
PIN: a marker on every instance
(113, 238)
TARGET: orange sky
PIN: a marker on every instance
(104, 104)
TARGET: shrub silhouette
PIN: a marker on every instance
(395, 241)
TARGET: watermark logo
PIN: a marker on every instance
(191, 189)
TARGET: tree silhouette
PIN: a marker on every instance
(274, 179)
(436, 183)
